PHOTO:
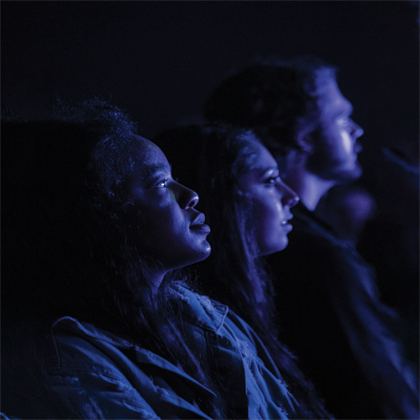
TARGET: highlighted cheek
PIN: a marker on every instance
(347, 142)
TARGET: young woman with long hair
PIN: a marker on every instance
(97, 228)
(248, 207)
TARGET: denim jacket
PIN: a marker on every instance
(89, 367)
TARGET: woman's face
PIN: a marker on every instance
(271, 199)
(169, 228)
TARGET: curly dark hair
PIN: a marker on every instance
(68, 250)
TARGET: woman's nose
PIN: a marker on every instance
(187, 198)
(289, 197)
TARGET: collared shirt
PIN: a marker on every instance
(89, 367)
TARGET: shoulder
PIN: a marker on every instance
(65, 374)
(73, 344)
(85, 363)
(78, 355)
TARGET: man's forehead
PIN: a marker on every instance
(332, 101)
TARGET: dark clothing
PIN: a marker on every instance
(89, 370)
(331, 318)
(396, 263)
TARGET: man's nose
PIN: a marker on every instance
(356, 131)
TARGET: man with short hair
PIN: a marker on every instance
(328, 309)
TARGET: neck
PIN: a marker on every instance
(155, 278)
(309, 187)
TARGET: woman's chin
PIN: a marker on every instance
(274, 248)
(201, 254)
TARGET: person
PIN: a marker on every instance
(96, 229)
(332, 318)
(248, 207)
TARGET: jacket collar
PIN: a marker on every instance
(197, 309)
(200, 310)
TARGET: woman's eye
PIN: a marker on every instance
(272, 180)
(162, 184)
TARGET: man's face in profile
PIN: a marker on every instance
(335, 140)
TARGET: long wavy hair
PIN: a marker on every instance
(69, 251)
(232, 274)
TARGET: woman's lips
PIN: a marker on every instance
(286, 224)
(198, 224)
(200, 228)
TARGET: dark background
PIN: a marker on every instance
(160, 60)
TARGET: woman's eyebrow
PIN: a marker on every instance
(262, 171)
(269, 168)
(154, 170)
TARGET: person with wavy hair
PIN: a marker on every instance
(352, 346)
(96, 230)
(248, 207)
